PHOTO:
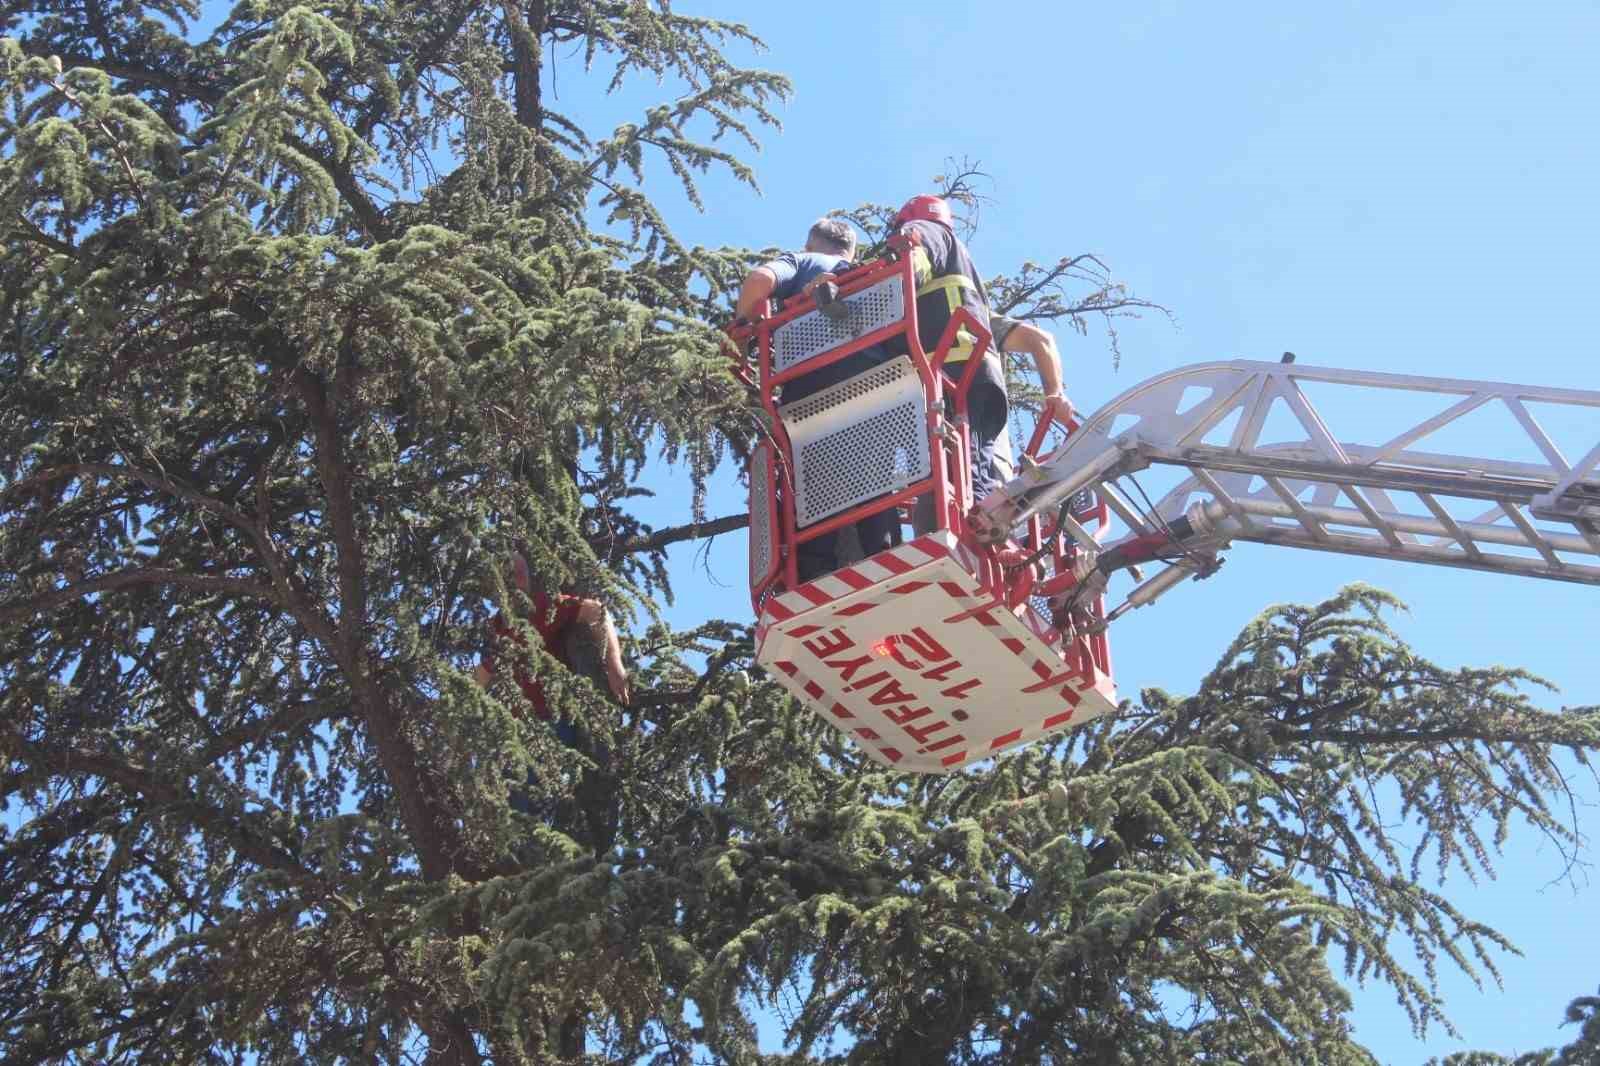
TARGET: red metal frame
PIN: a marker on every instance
(1095, 645)
(951, 455)
(950, 514)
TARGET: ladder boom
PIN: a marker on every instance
(1398, 499)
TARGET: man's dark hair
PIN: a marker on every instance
(832, 235)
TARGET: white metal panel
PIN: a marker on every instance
(814, 333)
(857, 440)
(921, 670)
(761, 517)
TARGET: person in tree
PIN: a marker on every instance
(948, 279)
(830, 249)
(578, 632)
(557, 619)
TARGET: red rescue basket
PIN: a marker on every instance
(934, 653)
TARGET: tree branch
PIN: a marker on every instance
(34, 233)
(133, 578)
(335, 477)
(292, 597)
(525, 65)
(296, 716)
(673, 534)
(344, 179)
(128, 72)
(163, 789)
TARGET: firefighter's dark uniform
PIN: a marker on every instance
(947, 279)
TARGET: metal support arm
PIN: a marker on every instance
(1305, 485)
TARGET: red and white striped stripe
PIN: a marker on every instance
(875, 570)
(1069, 671)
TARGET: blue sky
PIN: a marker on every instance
(1408, 190)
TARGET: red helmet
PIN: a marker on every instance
(926, 208)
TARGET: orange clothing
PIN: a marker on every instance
(550, 619)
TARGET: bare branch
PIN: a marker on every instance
(661, 538)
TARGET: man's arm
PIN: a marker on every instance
(1041, 345)
(755, 293)
(770, 279)
(592, 613)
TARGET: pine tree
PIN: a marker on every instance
(310, 322)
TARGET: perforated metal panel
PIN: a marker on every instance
(814, 333)
(1041, 606)
(857, 440)
(760, 515)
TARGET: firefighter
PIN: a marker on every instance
(1024, 338)
(948, 279)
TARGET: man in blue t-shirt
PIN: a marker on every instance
(830, 247)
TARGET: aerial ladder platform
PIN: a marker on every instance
(984, 627)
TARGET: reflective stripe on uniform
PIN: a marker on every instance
(952, 285)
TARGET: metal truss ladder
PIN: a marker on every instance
(1264, 464)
